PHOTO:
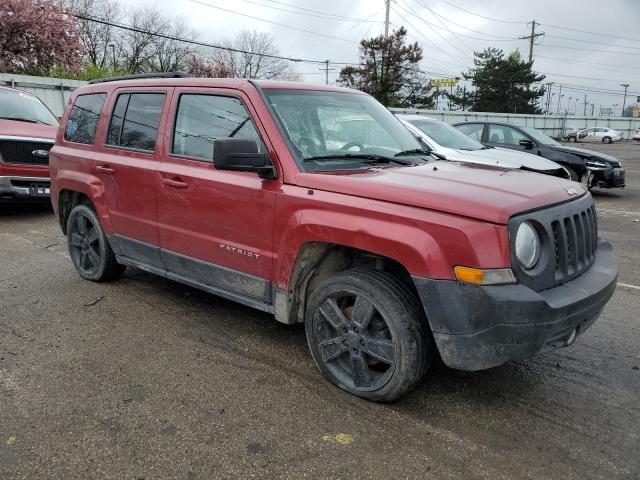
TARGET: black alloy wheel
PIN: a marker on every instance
(89, 249)
(367, 334)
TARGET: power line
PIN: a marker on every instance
(588, 49)
(590, 33)
(445, 26)
(314, 13)
(501, 37)
(591, 41)
(576, 62)
(427, 23)
(481, 16)
(271, 22)
(203, 44)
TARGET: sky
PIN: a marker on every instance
(588, 47)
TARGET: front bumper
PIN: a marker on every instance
(479, 327)
(610, 178)
(14, 188)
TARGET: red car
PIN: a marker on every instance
(27, 131)
(317, 205)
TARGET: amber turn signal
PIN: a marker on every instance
(478, 276)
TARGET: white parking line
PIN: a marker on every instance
(626, 285)
(619, 212)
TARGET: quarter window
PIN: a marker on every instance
(135, 120)
(474, 130)
(83, 119)
(201, 119)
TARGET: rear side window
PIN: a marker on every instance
(135, 120)
(474, 130)
(203, 118)
(83, 119)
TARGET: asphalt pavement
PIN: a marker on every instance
(145, 378)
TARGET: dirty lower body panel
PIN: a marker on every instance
(479, 327)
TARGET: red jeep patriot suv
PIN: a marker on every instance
(317, 205)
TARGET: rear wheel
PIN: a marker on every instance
(606, 140)
(367, 333)
(89, 249)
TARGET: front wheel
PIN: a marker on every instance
(89, 249)
(368, 334)
(572, 139)
(606, 140)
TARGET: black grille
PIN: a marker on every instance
(569, 243)
(21, 152)
(575, 240)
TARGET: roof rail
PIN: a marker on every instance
(140, 76)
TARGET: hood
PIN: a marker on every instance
(469, 190)
(505, 158)
(12, 128)
(583, 152)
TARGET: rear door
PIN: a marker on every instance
(126, 166)
(216, 227)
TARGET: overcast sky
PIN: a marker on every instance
(599, 60)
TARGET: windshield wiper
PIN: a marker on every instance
(366, 157)
(21, 119)
(415, 151)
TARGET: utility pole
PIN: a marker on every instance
(585, 105)
(532, 37)
(548, 102)
(559, 99)
(624, 102)
(386, 17)
(326, 71)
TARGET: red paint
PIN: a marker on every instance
(428, 219)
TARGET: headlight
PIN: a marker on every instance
(527, 245)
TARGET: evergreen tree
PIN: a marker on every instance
(389, 72)
(501, 84)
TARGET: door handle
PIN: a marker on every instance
(174, 183)
(105, 169)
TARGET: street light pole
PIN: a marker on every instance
(624, 102)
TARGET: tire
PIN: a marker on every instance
(89, 249)
(606, 140)
(572, 139)
(368, 334)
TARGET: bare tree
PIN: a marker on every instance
(253, 65)
(170, 55)
(99, 39)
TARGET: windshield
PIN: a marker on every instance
(341, 130)
(23, 107)
(538, 136)
(446, 136)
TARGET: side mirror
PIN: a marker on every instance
(241, 155)
(528, 144)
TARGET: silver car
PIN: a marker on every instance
(445, 140)
(597, 134)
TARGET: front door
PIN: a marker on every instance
(126, 164)
(507, 137)
(216, 227)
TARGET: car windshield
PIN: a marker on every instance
(23, 107)
(538, 136)
(446, 136)
(342, 130)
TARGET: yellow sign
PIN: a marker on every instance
(445, 82)
(636, 112)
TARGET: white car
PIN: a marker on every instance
(636, 136)
(597, 134)
(445, 140)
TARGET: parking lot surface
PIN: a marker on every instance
(145, 378)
